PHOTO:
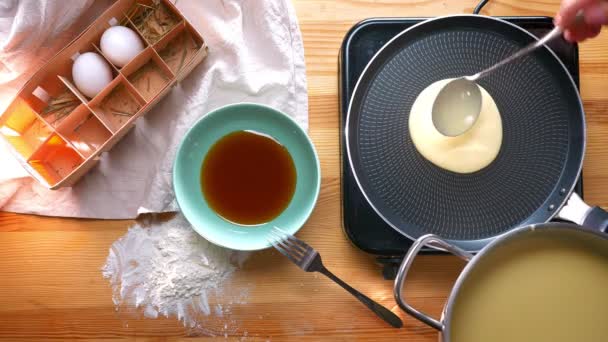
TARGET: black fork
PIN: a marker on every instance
(308, 259)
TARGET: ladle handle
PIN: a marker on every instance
(426, 240)
(555, 33)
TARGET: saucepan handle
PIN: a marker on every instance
(426, 240)
(577, 211)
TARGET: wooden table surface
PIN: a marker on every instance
(50, 280)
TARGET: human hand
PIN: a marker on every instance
(595, 14)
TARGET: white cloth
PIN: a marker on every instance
(255, 55)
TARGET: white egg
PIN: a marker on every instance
(120, 44)
(91, 73)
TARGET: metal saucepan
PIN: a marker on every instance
(490, 255)
(544, 135)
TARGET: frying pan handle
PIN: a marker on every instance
(426, 240)
(579, 212)
(597, 218)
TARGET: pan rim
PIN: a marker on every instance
(468, 245)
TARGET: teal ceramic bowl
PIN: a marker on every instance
(194, 148)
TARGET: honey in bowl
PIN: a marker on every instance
(248, 178)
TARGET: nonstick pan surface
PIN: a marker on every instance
(543, 133)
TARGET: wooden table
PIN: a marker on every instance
(50, 280)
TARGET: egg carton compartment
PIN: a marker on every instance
(117, 104)
(70, 82)
(49, 96)
(23, 128)
(148, 74)
(178, 48)
(120, 20)
(84, 131)
(154, 18)
(54, 160)
(59, 107)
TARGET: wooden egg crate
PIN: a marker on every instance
(57, 133)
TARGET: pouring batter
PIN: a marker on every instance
(466, 153)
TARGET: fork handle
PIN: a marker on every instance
(382, 312)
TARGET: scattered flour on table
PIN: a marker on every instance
(168, 269)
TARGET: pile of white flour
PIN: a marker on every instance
(168, 269)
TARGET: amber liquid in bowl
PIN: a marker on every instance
(248, 178)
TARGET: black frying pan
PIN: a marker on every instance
(543, 134)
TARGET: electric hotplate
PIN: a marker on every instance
(361, 224)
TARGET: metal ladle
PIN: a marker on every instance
(458, 104)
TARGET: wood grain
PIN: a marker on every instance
(51, 285)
